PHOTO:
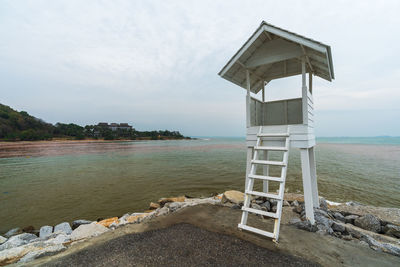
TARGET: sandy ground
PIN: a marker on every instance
(295, 246)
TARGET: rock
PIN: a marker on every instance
(14, 231)
(45, 231)
(163, 211)
(256, 206)
(323, 204)
(174, 206)
(321, 212)
(323, 221)
(266, 205)
(48, 251)
(162, 201)
(77, 223)
(2, 239)
(63, 228)
(57, 239)
(236, 207)
(18, 240)
(385, 247)
(295, 203)
(347, 237)
(259, 201)
(337, 234)
(392, 230)
(136, 218)
(338, 216)
(294, 220)
(350, 218)
(88, 230)
(108, 222)
(286, 203)
(304, 225)
(154, 206)
(298, 209)
(233, 196)
(29, 229)
(368, 222)
(338, 227)
(273, 209)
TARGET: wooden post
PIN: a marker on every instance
(310, 81)
(307, 188)
(304, 92)
(314, 184)
(248, 165)
(265, 154)
(248, 99)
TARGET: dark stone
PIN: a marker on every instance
(338, 227)
(347, 237)
(322, 213)
(350, 218)
(368, 222)
(337, 234)
(305, 225)
(29, 229)
(236, 207)
(338, 216)
(295, 203)
(298, 209)
(392, 230)
(255, 206)
(323, 222)
(99, 219)
(266, 205)
(323, 204)
(273, 209)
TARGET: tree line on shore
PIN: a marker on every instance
(20, 126)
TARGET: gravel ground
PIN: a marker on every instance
(178, 245)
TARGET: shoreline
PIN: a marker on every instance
(341, 216)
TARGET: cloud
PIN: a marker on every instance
(156, 62)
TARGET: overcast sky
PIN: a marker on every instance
(154, 64)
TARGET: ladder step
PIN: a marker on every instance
(273, 148)
(267, 178)
(262, 194)
(255, 230)
(273, 135)
(261, 212)
(268, 162)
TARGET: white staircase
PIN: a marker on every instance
(249, 192)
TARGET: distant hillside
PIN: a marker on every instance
(16, 125)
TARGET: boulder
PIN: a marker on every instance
(256, 206)
(233, 196)
(77, 223)
(266, 205)
(298, 209)
(295, 203)
(154, 206)
(18, 240)
(338, 227)
(135, 218)
(48, 251)
(322, 221)
(108, 222)
(45, 231)
(174, 206)
(350, 218)
(338, 216)
(162, 201)
(385, 247)
(88, 230)
(14, 231)
(323, 204)
(57, 239)
(392, 230)
(163, 211)
(63, 228)
(368, 222)
(29, 229)
(2, 239)
(286, 203)
(304, 225)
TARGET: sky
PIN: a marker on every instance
(154, 64)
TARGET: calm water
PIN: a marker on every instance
(48, 182)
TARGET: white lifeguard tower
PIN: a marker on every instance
(274, 53)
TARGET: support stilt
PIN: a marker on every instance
(307, 188)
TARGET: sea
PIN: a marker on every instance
(46, 183)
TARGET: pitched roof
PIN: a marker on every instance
(272, 53)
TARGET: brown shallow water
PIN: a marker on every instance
(50, 182)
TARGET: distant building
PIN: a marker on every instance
(115, 126)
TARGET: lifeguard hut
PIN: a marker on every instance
(273, 53)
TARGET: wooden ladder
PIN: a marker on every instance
(249, 192)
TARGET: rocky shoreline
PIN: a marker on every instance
(378, 228)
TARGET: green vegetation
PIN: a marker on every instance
(20, 126)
